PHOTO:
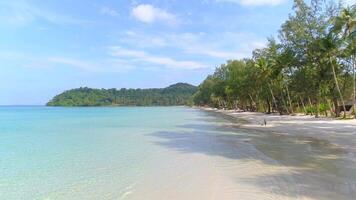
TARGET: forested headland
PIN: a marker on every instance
(309, 67)
(174, 95)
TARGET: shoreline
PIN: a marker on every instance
(174, 153)
(338, 132)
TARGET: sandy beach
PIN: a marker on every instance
(312, 158)
(338, 132)
(292, 158)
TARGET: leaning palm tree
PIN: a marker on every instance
(345, 26)
(265, 74)
(329, 48)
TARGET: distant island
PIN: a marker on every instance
(173, 95)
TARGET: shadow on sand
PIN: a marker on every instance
(319, 169)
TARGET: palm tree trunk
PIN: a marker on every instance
(273, 99)
(354, 87)
(311, 106)
(289, 99)
(317, 107)
(338, 88)
(253, 102)
(301, 100)
(257, 103)
(336, 107)
(269, 106)
(285, 104)
(330, 108)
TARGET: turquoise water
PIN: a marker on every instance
(158, 153)
(54, 153)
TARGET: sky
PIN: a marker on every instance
(47, 47)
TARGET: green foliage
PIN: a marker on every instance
(323, 107)
(310, 109)
(177, 94)
(309, 69)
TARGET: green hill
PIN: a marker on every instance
(173, 95)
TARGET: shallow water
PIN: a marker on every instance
(161, 153)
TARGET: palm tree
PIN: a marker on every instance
(265, 74)
(329, 48)
(345, 25)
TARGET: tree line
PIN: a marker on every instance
(309, 68)
(174, 95)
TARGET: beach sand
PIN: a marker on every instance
(293, 157)
(338, 132)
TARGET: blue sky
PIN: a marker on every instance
(47, 47)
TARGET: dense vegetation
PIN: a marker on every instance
(177, 94)
(310, 67)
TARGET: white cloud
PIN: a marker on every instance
(224, 45)
(255, 2)
(29, 60)
(213, 53)
(144, 57)
(107, 65)
(142, 40)
(73, 62)
(148, 14)
(221, 45)
(109, 11)
(20, 12)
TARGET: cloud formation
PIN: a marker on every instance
(105, 10)
(73, 62)
(21, 12)
(106, 65)
(147, 13)
(222, 45)
(255, 2)
(145, 57)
